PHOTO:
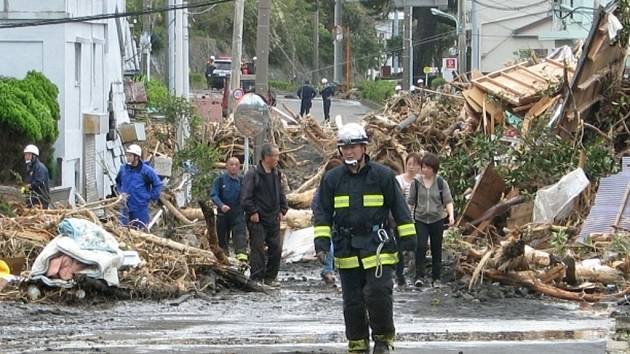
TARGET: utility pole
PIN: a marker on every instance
(461, 37)
(337, 41)
(237, 48)
(185, 54)
(262, 67)
(407, 74)
(474, 23)
(170, 20)
(145, 39)
(316, 74)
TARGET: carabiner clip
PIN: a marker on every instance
(382, 235)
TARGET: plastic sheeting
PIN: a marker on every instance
(555, 202)
(86, 243)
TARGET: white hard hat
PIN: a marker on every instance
(212, 57)
(324, 81)
(420, 81)
(32, 149)
(134, 149)
(397, 88)
(350, 134)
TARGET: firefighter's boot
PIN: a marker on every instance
(360, 346)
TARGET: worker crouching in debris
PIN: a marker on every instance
(226, 195)
(141, 184)
(429, 195)
(264, 202)
(355, 202)
(37, 188)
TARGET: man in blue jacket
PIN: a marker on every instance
(141, 184)
(226, 195)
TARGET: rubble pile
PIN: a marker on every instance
(166, 268)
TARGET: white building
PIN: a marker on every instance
(84, 60)
(511, 30)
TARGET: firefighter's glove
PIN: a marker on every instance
(408, 243)
(321, 256)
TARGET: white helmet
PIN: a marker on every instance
(324, 81)
(32, 149)
(212, 57)
(420, 81)
(350, 134)
(397, 88)
(134, 149)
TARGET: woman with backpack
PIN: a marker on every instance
(429, 195)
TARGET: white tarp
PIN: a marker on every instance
(555, 202)
(298, 245)
(87, 243)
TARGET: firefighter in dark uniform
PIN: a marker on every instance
(356, 200)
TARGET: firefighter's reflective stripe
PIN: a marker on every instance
(406, 230)
(347, 262)
(373, 200)
(386, 259)
(322, 231)
(342, 201)
(242, 257)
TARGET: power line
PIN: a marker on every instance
(58, 21)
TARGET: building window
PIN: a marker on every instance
(77, 64)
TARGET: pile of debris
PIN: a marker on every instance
(159, 268)
(544, 244)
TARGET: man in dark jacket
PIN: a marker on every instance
(141, 184)
(355, 203)
(265, 203)
(306, 93)
(226, 195)
(327, 92)
(36, 179)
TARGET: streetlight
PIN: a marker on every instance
(436, 12)
(461, 38)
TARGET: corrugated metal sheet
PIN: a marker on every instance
(612, 204)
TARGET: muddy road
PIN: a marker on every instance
(304, 316)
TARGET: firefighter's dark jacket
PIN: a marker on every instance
(353, 207)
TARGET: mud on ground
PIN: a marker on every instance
(303, 316)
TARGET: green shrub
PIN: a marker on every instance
(437, 82)
(29, 112)
(377, 91)
(157, 93)
(282, 85)
(197, 80)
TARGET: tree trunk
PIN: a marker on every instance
(213, 239)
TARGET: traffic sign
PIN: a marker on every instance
(427, 70)
(238, 94)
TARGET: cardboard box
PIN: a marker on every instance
(163, 166)
(133, 132)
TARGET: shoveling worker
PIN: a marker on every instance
(355, 202)
(141, 184)
(37, 188)
(226, 195)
